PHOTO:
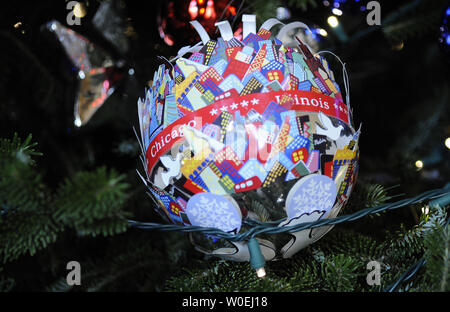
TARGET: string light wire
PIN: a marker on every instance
(439, 196)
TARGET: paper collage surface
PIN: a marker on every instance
(237, 116)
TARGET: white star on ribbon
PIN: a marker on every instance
(244, 103)
(255, 101)
(224, 108)
(213, 112)
(234, 106)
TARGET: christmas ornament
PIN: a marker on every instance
(233, 131)
(98, 74)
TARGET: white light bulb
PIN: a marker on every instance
(77, 122)
(261, 272)
(323, 32)
(447, 143)
(336, 11)
(419, 164)
(333, 21)
(79, 10)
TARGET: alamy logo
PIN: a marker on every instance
(74, 276)
(374, 16)
(71, 19)
(374, 276)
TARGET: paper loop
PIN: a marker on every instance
(225, 30)
(286, 28)
(248, 24)
(188, 49)
(267, 25)
(201, 31)
(346, 83)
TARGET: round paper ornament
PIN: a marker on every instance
(239, 130)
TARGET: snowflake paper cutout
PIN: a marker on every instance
(314, 192)
(212, 210)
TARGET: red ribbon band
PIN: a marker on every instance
(298, 100)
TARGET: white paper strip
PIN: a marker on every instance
(270, 23)
(346, 82)
(225, 30)
(248, 24)
(286, 28)
(187, 49)
(201, 31)
(140, 176)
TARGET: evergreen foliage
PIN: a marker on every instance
(32, 216)
(92, 203)
(422, 19)
(437, 256)
(25, 223)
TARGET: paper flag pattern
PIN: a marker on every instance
(228, 120)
